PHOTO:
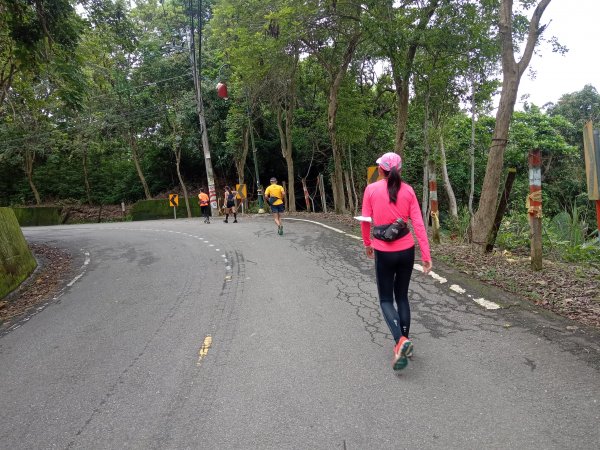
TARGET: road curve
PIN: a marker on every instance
(177, 334)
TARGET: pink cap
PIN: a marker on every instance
(389, 160)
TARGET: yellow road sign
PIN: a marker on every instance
(242, 193)
(173, 200)
(373, 174)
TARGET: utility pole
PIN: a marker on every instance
(212, 193)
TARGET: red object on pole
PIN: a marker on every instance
(222, 90)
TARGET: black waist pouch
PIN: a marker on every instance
(391, 232)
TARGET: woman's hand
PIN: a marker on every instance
(370, 252)
(427, 266)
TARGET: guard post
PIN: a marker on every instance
(591, 147)
(242, 194)
(174, 201)
(534, 207)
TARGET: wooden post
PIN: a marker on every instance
(534, 207)
(598, 217)
(510, 178)
(285, 197)
(306, 196)
(433, 203)
(322, 189)
(350, 198)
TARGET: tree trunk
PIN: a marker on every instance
(356, 204)
(402, 91)
(336, 200)
(349, 190)
(138, 167)
(446, 178)
(289, 157)
(6, 81)
(285, 139)
(334, 88)
(289, 121)
(512, 71)
(29, 159)
(402, 78)
(426, 157)
(240, 163)
(86, 178)
(306, 194)
(472, 151)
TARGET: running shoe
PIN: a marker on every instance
(280, 230)
(401, 351)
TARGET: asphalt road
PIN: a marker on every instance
(176, 334)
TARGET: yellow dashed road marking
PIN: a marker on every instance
(204, 349)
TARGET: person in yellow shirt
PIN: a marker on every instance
(275, 194)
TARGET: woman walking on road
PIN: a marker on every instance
(390, 203)
(229, 201)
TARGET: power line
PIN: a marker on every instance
(132, 88)
(134, 115)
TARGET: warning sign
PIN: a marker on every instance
(242, 193)
(373, 174)
(173, 200)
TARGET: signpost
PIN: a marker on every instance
(242, 194)
(373, 174)
(174, 202)
(591, 147)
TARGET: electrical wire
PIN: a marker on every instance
(157, 111)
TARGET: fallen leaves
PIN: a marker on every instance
(55, 264)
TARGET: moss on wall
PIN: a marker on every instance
(160, 209)
(34, 216)
(16, 260)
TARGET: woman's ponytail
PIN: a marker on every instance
(393, 183)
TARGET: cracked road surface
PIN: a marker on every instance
(177, 334)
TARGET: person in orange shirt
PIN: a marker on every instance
(203, 200)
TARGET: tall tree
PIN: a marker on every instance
(332, 35)
(399, 29)
(512, 71)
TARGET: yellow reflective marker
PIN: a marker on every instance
(242, 192)
(373, 174)
(204, 349)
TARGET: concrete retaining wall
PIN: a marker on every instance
(16, 260)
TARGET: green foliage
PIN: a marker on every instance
(458, 229)
(566, 237)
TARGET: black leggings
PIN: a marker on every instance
(393, 271)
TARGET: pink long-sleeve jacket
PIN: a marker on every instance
(376, 204)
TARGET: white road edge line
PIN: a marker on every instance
(85, 263)
(456, 288)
